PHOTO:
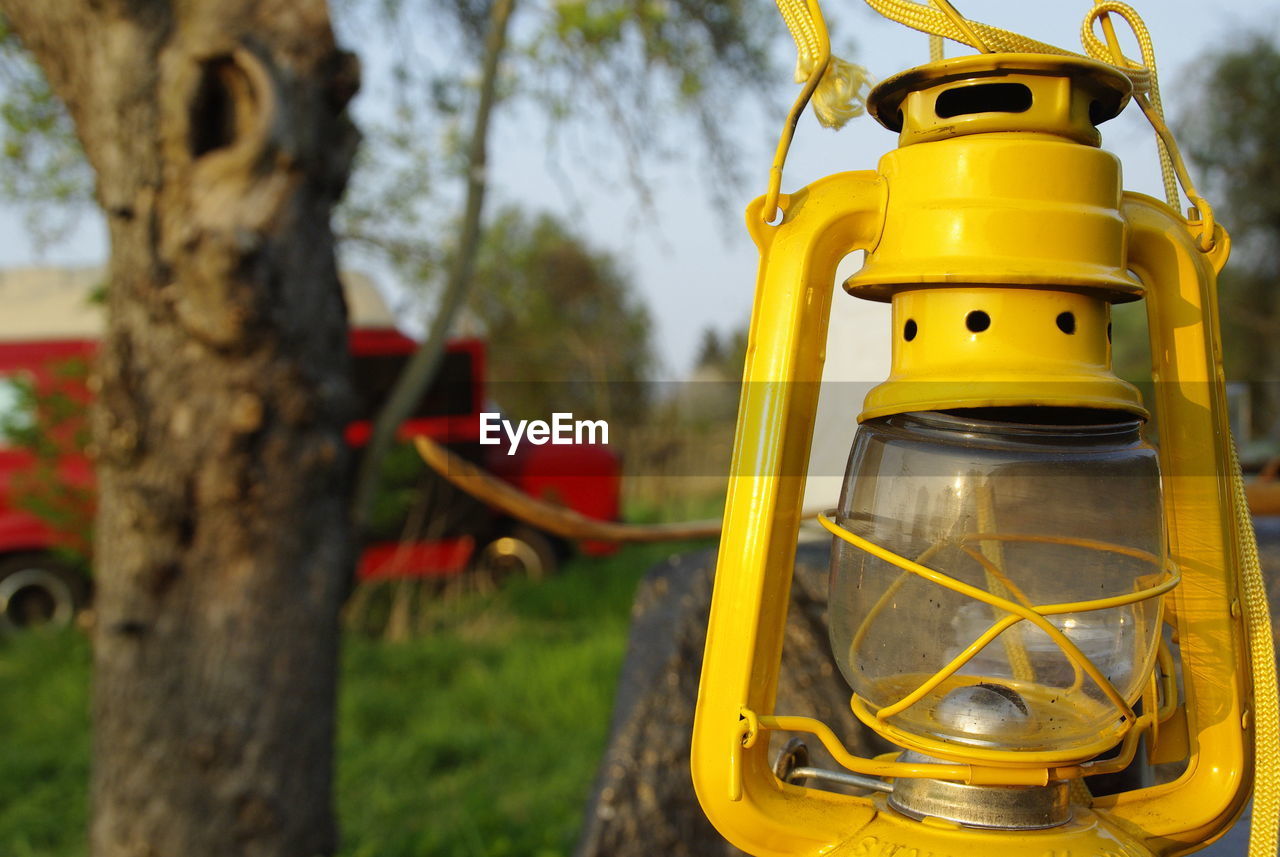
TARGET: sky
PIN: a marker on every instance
(698, 269)
(693, 263)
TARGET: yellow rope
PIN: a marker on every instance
(839, 95)
(1266, 706)
(836, 87)
(1111, 51)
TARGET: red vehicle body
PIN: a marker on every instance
(29, 542)
(585, 478)
(455, 532)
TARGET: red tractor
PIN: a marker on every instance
(48, 335)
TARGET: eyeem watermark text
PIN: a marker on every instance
(562, 430)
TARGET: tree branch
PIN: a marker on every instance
(422, 367)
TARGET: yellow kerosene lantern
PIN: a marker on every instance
(1024, 592)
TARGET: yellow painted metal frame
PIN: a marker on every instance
(1195, 453)
(732, 775)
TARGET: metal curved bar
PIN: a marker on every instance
(960, 772)
(884, 599)
(1035, 615)
(1061, 762)
(988, 636)
(807, 25)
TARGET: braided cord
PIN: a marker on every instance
(1266, 713)
(1110, 51)
(836, 87)
(940, 20)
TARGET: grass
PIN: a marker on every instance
(44, 744)
(481, 738)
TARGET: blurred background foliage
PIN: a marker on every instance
(584, 76)
(1231, 134)
(566, 329)
(42, 167)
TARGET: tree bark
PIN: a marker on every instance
(643, 802)
(218, 135)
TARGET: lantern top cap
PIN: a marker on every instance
(1063, 96)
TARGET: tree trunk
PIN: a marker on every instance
(218, 135)
(643, 802)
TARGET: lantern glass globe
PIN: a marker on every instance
(1039, 506)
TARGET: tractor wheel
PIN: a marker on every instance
(39, 590)
(523, 550)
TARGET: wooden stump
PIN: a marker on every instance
(643, 802)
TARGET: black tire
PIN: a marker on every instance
(39, 590)
(523, 550)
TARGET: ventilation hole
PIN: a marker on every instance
(977, 321)
(909, 330)
(1108, 331)
(1097, 113)
(983, 98)
(1067, 322)
(1107, 106)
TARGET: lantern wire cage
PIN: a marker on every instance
(1016, 608)
(983, 765)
